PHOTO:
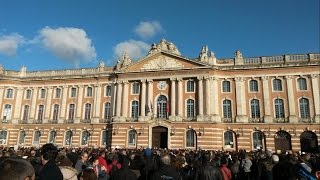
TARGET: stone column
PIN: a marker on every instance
(150, 97)
(125, 100)
(79, 104)
(173, 99)
(241, 100)
(208, 96)
(97, 103)
(316, 96)
(48, 105)
(215, 100)
(180, 100)
(17, 106)
(119, 99)
(63, 104)
(200, 100)
(143, 100)
(1, 96)
(291, 102)
(33, 104)
(266, 99)
(113, 98)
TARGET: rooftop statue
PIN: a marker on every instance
(126, 59)
(164, 46)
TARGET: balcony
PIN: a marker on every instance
(105, 120)
(281, 120)
(86, 120)
(306, 120)
(255, 120)
(37, 121)
(228, 120)
(53, 121)
(69, 121)
(23, 122)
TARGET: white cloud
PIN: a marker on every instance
(147, 29)
(70, 44)
(135, 49)
(9, 44)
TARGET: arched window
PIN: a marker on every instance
(277, 85)
(302, 83)
(22, 137)
(162, 107)
(3, 137)
(309, 142)
(36, 138)
(58, 93)
(190, 138)
(85, 138)
(26, 113)
(279, 108)
(89, 91)
(107, 111)
(258, 140)
(28, 94)
(71, 112)
(105, 138)
(190, 86)
(108, 90)
(135, 88)
(87, 112)
(9, 93)
(55, 112)
(52, 136)
(134, 110)
(282, 141)
(304, 108)
(229, 140)
(190, 109)
(227, 111)
(226, 86)
(40, 112)
(253, 85)
(6, 112)
(42, 93)
(68, 138)
(255, 108)
(132, 138)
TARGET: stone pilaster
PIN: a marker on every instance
(291, 102)
(48, 105)
(63, 104)
(97, 103)
(316, 96)
(266, 99)
(208, 96)
(200, 100)
(173, 99)
(33, 104)
(241, 100)
(1, 96)
(125, 100)
(180, 100)
(215, 100)
(143, 100)
(119, 100)
(79, 104)
(17, 106)
(150, 97)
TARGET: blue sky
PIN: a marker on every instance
(60, 34)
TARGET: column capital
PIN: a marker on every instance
(314, 76)
(173, 79)
(150, 80)
(80, 86)
(239, 79)
(125, 82)
(265, 78)
(200, 78)
(143, 81)
(49, 87)
(207, 77)
(214, 78)
(179, 79)
(288, 77)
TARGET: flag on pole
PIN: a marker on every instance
(167, 110)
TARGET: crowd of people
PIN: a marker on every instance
(52, 163)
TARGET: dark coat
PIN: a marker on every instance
(124, 174)
(50, 171)
(166, 173)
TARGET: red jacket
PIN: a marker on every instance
(103, 162)
(227, 175)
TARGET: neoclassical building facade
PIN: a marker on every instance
(167, 100)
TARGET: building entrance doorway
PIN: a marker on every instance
(160, 137)
(309, 142)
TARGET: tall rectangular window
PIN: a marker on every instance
(227, 113)
(73, 92)
(40, 112)
(279, 108)
(42, 93)
(190, 86)
(107, 111)
(226, 86)
(255, 108)
(9, 93)
(87, 113)
(55, 112)
(71, 112)
(135, 88)
(108, 90)
(28, 94)
(277, 85)
(89, 91)
(58, 93)
(25, 113)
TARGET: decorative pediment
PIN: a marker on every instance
(162, 62)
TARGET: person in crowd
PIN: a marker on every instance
(166, 171)
(124, 173)
(82, 162)
(245, 167)
(284, 170)
(66, 168)
(97, 168)
(49, 171)
(16, 169)
(88, 174)
(226, 172)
